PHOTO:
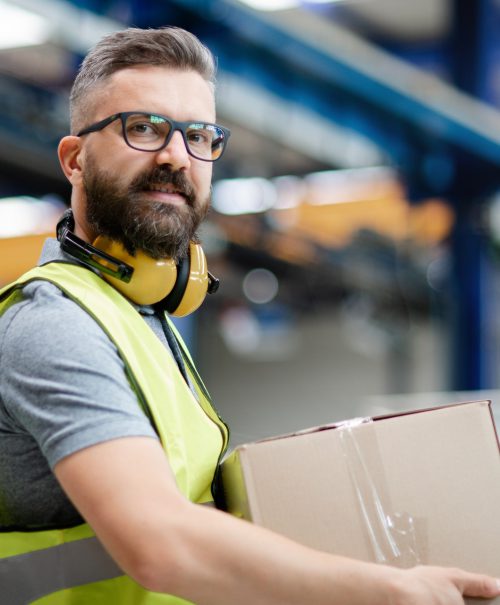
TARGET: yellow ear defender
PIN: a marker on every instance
(179, 288)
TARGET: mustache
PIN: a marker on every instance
(162, 175)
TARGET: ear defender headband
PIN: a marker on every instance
(178, 288)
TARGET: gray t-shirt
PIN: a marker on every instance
(62, 388)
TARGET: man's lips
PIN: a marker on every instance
(167, 193)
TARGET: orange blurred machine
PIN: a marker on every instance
(19, 254)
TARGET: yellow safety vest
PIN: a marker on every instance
(69, 566)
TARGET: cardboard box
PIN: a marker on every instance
(421, 487)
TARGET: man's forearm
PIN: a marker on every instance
(221, 560)
(211, 558)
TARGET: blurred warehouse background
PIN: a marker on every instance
(356, 214)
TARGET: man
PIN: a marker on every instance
(96, 388)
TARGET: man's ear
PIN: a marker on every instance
(69, 153)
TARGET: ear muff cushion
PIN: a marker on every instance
(174, 299)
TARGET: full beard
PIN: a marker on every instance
(126, 215)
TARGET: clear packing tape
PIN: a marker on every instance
(392, 534)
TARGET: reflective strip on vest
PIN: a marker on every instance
(30, 576)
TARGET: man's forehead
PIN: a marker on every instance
(155, 88)
(157, 75)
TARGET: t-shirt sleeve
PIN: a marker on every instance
(63, 379)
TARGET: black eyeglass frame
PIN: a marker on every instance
(174, 125)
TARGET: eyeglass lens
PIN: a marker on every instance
(148, 132)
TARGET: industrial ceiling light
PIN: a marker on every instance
(20, 27)
(271, 5)
(274, 5)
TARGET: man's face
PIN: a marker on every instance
(152, 201)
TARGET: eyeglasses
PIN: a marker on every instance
(152, 132)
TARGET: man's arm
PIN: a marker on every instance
(126, 491)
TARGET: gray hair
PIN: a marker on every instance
(164, 47)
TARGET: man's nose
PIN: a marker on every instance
(175, 153)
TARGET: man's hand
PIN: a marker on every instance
(441, 586)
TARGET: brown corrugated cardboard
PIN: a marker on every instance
(421, 487)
